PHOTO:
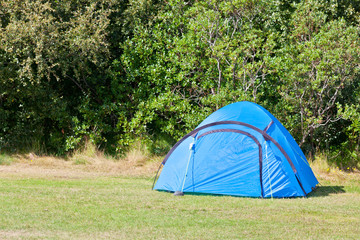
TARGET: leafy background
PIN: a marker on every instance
(116, 72)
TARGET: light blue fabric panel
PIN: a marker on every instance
(278, 177)
(287, 142)
(173, 172)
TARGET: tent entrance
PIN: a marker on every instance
(206, 161)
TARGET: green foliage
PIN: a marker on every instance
(116, 72)
(349, 153)
(194, 59)
(51, 55)
(317, 67)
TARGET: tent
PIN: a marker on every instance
(239, 150)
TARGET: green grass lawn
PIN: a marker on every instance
(127, 208)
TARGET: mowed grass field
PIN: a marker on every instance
(47, 203)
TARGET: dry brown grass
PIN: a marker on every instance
(86, 163)
(325, 172)
(137, 162)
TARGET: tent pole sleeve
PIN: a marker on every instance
(265, 135)
(268, 126)
(302, 188)
(156, 176)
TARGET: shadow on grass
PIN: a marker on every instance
(323, 191)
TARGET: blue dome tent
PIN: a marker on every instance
(239, 150)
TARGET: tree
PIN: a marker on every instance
(193, 59)
(50, 53)
(319, 63)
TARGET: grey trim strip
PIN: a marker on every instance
(268, 126)
(250, 136)
(229, 130)
(156, 177)
(265, 135)
(300, 184)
